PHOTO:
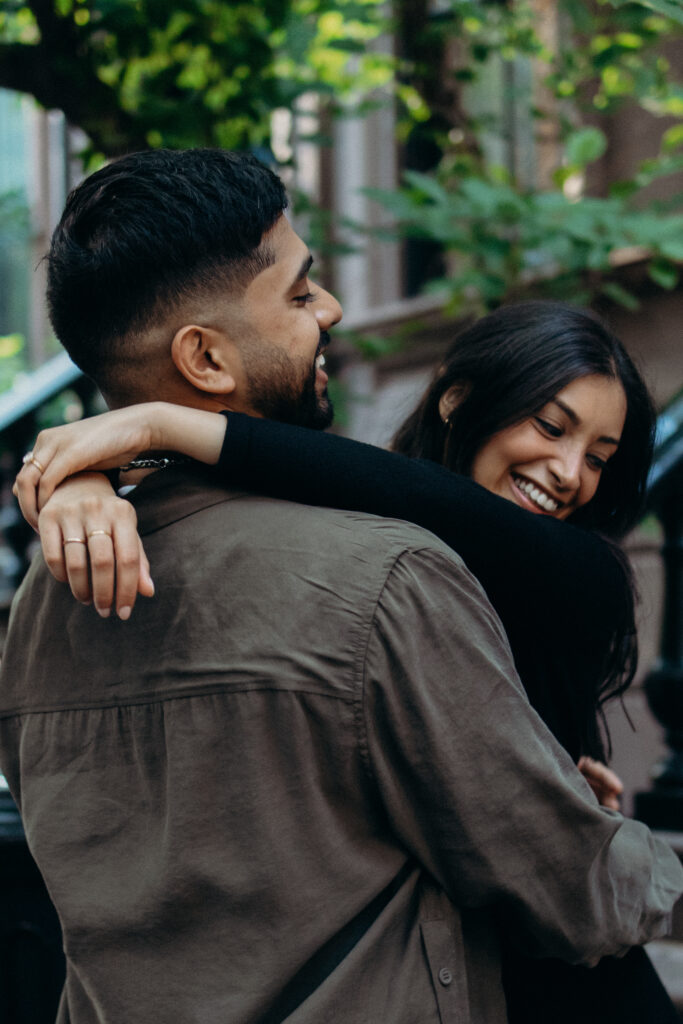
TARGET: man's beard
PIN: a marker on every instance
(283, 388)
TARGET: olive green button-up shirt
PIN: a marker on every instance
(303, 782)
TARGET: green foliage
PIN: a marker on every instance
(584, 146)
(14, 227)
(139, 73)
(11, 359)
(503, 234)
(504, 238)
(146, 73)
(668, 8)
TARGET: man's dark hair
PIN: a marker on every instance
(144, 233)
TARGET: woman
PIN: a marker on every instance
(541, 406)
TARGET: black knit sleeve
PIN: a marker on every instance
(560, 591)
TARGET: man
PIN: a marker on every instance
(284, 790)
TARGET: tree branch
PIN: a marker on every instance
(51, 26)
(20, 67)
(71, 85)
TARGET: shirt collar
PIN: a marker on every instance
(171, 494)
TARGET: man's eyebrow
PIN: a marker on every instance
(575, 420)
(306, 265)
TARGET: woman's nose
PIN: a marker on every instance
(566, 468)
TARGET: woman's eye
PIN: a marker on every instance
(596, 462)
(306, 298)
(548, 428)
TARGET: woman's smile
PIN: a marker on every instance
(551, 463)
(534, 497)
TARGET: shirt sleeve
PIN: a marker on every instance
(479, 791)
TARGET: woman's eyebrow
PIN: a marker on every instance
(569, 412)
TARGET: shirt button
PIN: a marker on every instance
(445, 976)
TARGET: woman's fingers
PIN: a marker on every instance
(53, 549)
(145, 582)
(101, 442)
(605, 783)
(102, 569)
(37, 479)
(111, 569)
(90, 540)
(132, 567)
(114, 559)
(76, 560)
(25, 491)
(601, 774)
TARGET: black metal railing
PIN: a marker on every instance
(662, 806)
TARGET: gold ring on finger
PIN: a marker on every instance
(99, 533)
(74, 540)
(30, 458)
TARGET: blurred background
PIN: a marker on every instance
(442, 157)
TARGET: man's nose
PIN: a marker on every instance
(327, 310)
(566, 467)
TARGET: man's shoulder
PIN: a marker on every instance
(313, 528)
(194, 503)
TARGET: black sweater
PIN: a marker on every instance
(562, 593)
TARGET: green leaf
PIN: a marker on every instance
(429, 186)
(622, 189)
(672, 138)
(618, 294)
(585, 145)
(11, 345)
(669, 8)
(663, 273)
(672, 248)
(374, 346)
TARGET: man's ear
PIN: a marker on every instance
(451, 399)
(205, 358)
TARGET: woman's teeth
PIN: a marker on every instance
(538, 497)
(320, 361)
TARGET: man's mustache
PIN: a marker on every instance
(323, 343)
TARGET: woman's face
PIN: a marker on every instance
(551, 463)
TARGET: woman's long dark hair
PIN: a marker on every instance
(507, 366)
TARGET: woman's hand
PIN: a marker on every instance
(112, 562)
(101, 442)
(606, 785)
(113, 439)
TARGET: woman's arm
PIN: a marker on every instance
(111, 440)
(90, 541)
(535, 569)
(106, 564)
(562, 593)
(520, 558)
